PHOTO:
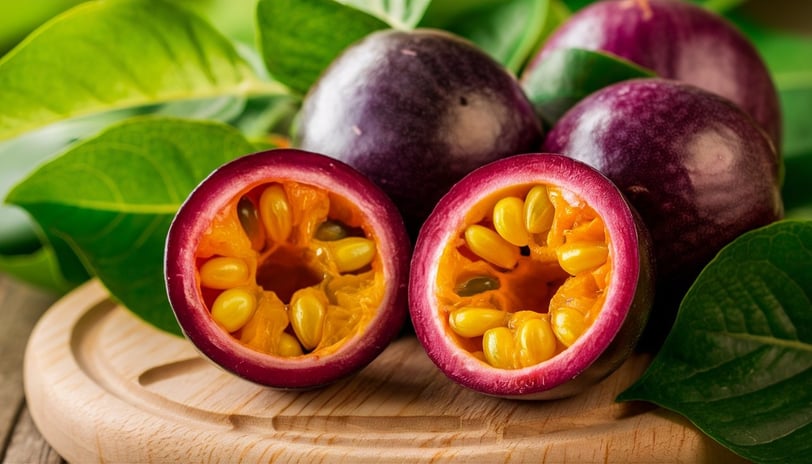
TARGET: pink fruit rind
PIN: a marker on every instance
(606, 344)
(220, 188)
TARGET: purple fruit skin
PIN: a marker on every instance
(695, 166)
(615, 332)
(217, 190)
(416, 111)
(681, 41)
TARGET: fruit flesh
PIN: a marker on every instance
(526, 276)
(289, 269)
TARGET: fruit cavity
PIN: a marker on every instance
(532, 278)
(288, 268)
(526, 277)
(277, 285)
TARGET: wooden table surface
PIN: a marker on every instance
(661, 434)
(20, 307)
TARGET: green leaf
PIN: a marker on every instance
(39, 268)
(111, 200)
(300, 38)
(566, 76)
(795, 191)
(401, 14)
(719, 6)
(18, 19)
(738, 361)
(787, 57)
(509, 31)
(102, 56)
(20, 155)
(575, 5)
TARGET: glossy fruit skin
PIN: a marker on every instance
(696, 167)
(678, 40)
(601, 349)
(218, 190)
(415, 111)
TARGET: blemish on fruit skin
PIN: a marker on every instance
(642, 5)
(408, 51)
(356, 130)
(637, 189)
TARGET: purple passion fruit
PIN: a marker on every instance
(695, 166)
(288, 268)
(415, 111)
(531, 279)
(677, 40)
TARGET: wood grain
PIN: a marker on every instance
(103, 386)
(20, 308)
(27, 445)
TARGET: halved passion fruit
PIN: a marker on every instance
(288, 268)
(532, 278)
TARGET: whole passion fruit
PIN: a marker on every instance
(415, 111)
(694, 165)
(677, 40)
(531, 279)
(288, 268)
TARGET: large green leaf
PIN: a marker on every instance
(401, 14)
(102, 56)
(720, 6)
(17, 19)
(738, 361)
(111, 200)
(787, 55)
(300, 38)
(510, 31)
(796, 192)
(564, 77)
(39, 268)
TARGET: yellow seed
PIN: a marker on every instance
(535, 341)
(497, 345)
(250, 222)
(224, 272)
(489, 246)
(275, 212)
(576, 258)
(233, 308)
(538, 210)
(519, 317)
(352, 253)
(508, 220)
(568, 324)
(472, 322)
(288, 346)
(308, 308)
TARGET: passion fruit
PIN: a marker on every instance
(415, 111)
(695, 166)
(677, 40)
(288, 268)
(532, 278)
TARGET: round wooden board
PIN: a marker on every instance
(103, 386)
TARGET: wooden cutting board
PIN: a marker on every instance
(102, 386)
